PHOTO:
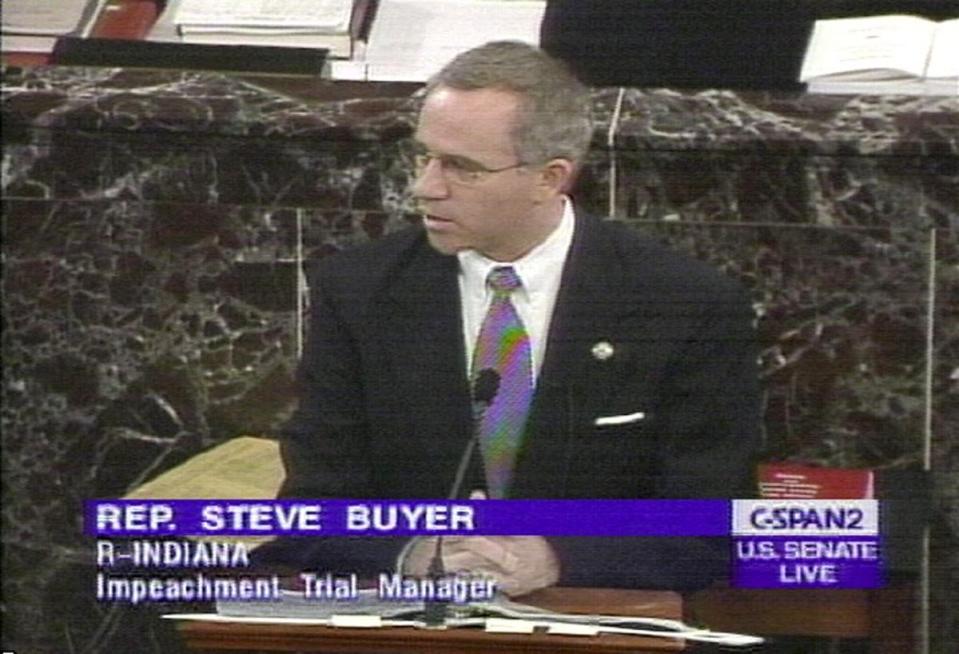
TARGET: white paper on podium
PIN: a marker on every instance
(509, 626)
(412, 39)
(944, 54)
(34, 25)
(500, 615)
(321, 16)
(52, 17)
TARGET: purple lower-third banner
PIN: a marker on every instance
(122, 518)
(807, 562)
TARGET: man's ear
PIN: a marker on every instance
(556, 177)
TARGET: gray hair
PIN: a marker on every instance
(554, 118)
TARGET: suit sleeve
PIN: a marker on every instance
(711, 413)
(709, 426)
(325, 445)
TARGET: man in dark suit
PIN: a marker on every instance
(640, 363)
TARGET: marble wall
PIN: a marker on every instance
(155, 226)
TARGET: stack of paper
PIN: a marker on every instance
(883, 54)
(244, 467)
(324, 24)
(412, 39)
(34, 25)
(499, 615)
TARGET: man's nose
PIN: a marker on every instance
(430, 183)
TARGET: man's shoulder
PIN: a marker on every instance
(647, 260)
(390, 246)
(371, 262)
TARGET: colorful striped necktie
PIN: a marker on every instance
(503, 345)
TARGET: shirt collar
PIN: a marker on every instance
(535, 268)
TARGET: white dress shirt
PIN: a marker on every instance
(539, 270)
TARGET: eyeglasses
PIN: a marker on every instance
(458, 170)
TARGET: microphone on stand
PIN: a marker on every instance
(485, 387)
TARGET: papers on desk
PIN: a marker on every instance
(883, 54)
(498, 616)
(321, 16)
(408, 40)
(322, 24)
(34, 25)
(412, 39)
(244, 466)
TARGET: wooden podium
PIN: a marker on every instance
(219, 636)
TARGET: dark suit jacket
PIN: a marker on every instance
(385, 408)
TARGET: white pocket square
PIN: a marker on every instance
(619, 420)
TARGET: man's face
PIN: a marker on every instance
(498, 213)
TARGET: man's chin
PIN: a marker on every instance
(444, 245)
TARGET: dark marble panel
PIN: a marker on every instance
(137, 333)
(591, 187)
(154, 222)
(945, 451)
(350, 175)
(135, 336)
(780, 123)
(169, 102)
(736, 187)
(708, 155)
(59, 165)
(842, 326)
(55, 612)
(843, 320)
(210, 103)
(249, 170)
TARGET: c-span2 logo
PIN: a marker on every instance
(806, 543)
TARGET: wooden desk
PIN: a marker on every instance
(885, 617)
(328, 640)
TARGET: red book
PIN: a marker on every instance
(130, 19)
(792, 481)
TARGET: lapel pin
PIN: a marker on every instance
(603, 350)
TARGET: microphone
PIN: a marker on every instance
(485, 387)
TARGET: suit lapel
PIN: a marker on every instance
(573, 382)
(425, 341)
(425, 338)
